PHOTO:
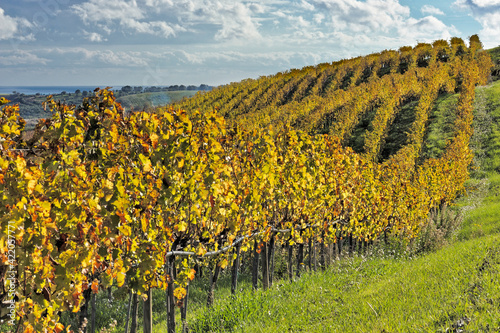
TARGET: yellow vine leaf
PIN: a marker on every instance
(191, 274)
(59, 328)
(180, 293)
(95, 286)
(120, 278)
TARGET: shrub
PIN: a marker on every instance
(441, 228)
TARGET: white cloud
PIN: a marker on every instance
(318, 18)
(20, 57)
(11, 27)
(241, 21)
(96, 58)
(306, 5)
(431, 10)
(237, 23)
(94, 37)
(358, 16)
(427, 29)
(487, 13)
(128, 14)
(486, 3)
(158, 28)
(230, 19)
(95, 11)
(490, 34)
(386, 23)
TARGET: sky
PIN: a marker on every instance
(193, 42)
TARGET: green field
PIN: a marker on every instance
(147, 101)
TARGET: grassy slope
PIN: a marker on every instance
(457, 287)
(427, 294)
(150, 100)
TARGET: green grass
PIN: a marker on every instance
(147, 101)
(431, 293)
(441, 126)
(483, 216)
(491, 100)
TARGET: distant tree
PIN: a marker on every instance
(192, 87)
(77, 92)
(182, 87)
(474, 40)
(137, 89)
(63, 93)
(85, 93)
(204, 87)
(126, 89)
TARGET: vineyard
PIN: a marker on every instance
(302, 160)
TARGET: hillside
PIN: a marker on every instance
(268, 176)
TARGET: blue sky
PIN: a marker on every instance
(166, 42)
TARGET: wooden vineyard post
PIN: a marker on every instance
(309, 252)
(265, 266)
(128, 311)
(170, 296)
(341, 246)
(185, 328)
(315, 257)
(332, 250)
(92, 321)
(135, 304)
(290, 262)
(148, 312)
(235, 269)
(83, 320)
(271, 260)
(214, 276)
(255, 268)
(300, 258)
(322, 250)
(351, 245)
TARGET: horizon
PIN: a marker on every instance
(193, 42)
(70, 89)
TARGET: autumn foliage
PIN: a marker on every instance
(100, 197)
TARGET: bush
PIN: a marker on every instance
(441, 228)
